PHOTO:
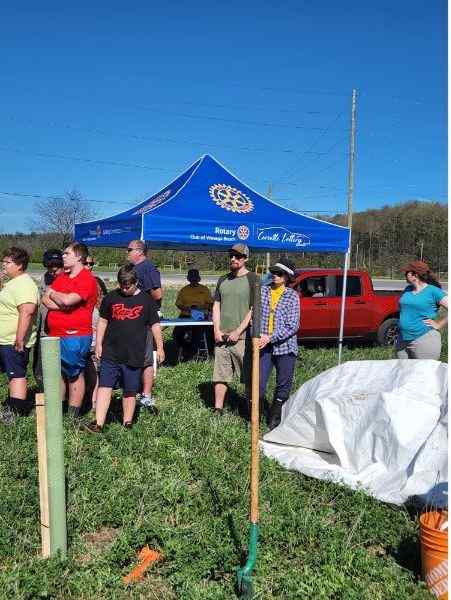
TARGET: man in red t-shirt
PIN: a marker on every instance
(71, 299)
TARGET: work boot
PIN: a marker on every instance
(74, 412)
(92, 427)
(276, 414)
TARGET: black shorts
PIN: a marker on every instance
(129, 378)
(148, 354)
(13, 363)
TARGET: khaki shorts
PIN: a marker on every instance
(232, 360)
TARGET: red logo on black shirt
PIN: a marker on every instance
(121, 312)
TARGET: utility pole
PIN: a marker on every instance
(351, 157)
(421, 249)
(350, 197)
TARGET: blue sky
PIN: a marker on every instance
(116, 99)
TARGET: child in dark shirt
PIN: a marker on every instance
(126, 314)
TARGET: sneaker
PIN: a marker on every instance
(7, 415)
(92, 427)
(128, 424)
(218, 412)
(147, 402)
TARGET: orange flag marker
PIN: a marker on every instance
(146, 557)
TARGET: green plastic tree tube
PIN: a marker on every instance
(51, 369)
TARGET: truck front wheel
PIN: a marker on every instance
(388, 332)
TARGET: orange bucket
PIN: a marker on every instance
(434, 552)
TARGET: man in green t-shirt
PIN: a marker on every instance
(232, 312)
(19, 298)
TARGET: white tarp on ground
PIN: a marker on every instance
(376, 425)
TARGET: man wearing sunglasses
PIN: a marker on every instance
(149, 281)
(232, 311)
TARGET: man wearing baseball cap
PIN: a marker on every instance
(232, 311)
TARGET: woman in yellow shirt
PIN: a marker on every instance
(280, 310)
(19, 299)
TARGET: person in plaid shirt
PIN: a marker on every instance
(280, 315)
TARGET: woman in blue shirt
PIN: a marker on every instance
(419, 327)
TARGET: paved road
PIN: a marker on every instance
(180, 279)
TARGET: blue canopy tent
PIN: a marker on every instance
(207, 206)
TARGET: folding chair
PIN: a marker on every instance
(202, 350)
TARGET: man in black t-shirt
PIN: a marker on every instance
(126, 314)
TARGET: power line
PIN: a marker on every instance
(146, 138)
(216, 118)
(345, 95)
(306, 92)
(235, 121)
(324, 132)
(327, 168)
(85, 160)
(58, 197)
(253, 107)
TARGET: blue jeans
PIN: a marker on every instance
(284, 364)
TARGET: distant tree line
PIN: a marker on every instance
(383, 240)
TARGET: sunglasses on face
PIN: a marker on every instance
(277, 273)
(235, 255)
(90, 264)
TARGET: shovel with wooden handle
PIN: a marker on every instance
(244, 574)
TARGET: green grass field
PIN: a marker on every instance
(179, 482)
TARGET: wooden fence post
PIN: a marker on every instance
(43, 481)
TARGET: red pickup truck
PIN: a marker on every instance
(369, 314)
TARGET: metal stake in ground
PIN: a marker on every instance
(244, 574)
(51, 370)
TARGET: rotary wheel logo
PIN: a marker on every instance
(243, 232)
(230, 198)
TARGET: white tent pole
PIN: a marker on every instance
(142, 227)
(350, 194)
(268, 254)
(343, 302)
